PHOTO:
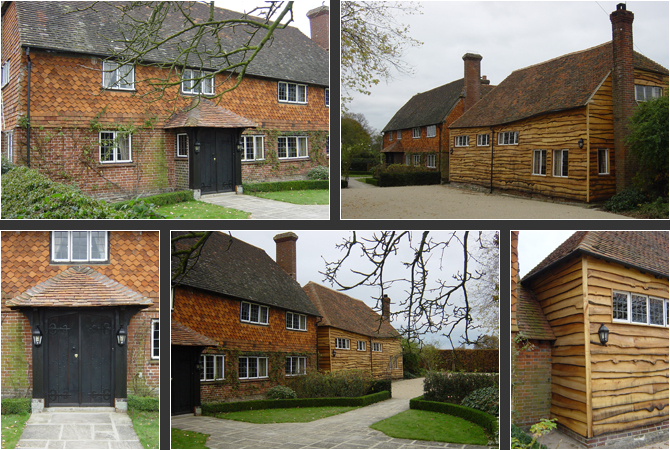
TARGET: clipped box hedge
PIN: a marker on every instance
(481, 418)
(295, 185)
(15, 405)
(213, 408)
(168, 198)
(143, 403)
(409, 178)
(454, 387)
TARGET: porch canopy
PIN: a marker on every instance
(204, 113)
(183, 335)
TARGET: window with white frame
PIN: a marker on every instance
(416, 159)
(416, 132)
(376, 347)
(461, 141)
(197, 82)
(431, 131)
(182, 145)
(212, 367)
(117, 76)
(508, 138)
(9, 151)
(155, 341)
(253, 367)
(560, 163)
(361, 346)
(291, 92)
(295, 321)
(390, 135)
(408, 159)
(482, 140)
(296, 365)
(642, 309)
(253, 148)
(342, 343)
(253, 313)
(115, 146)
(603, 161)
(292, 147)
(644, 93)
(326, 94)
(5, 73)
(431, 161)
(399, 135)
(80, 246)
(539, 162)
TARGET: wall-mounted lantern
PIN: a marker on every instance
(196, 146)
(451, 152)
(37, 336)
(334, 353)
(580, 142)
(603, 334)
(240, 145)
(121, 336)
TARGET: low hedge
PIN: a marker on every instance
(373, 181)
(213, 408)
(484, 420)
(295, 185)
(168, 198)
(409, 179)
(345, 184)
(143, 403)
(15, 405)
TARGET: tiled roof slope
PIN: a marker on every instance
(530, 317)
(643, 250)
(182, 335)
(231, 267)
(559, 84)
(204, 113)
(79, 286)
(341, 311)
(290, 55)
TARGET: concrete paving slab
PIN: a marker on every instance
(40, 432)
(76, 432)
(86, 444)
(266, 209)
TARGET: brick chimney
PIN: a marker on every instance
(319, 19)
(623, 91)
(472, 82)
(386, 308)
(286, 255)
(485, 80)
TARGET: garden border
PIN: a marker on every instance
(485, 420)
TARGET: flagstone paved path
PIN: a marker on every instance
(266, 209)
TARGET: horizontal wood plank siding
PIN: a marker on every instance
(601, 135)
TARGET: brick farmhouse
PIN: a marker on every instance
(101, 125)
(68, 300)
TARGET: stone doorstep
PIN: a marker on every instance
(79, 409)
(217, 195)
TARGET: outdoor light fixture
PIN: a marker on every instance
(451, 152)
(37, 336)
(580, 142)
(334, 353)
(240, 145)
(121, 336)
(197, 146)
(603, 334)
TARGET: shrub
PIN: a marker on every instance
(15, 405)
(626, 200)
(363, 164)
(143, 403)
(524, 439)
(6, 165)
(349, 383)
(372, 181)
(454, 387)
(295, 185)
(281, 392)
(484, 420)
(344, 184)
(318, 173)
(168, 198)
(409, 179)
(379, 386)
(485, 399)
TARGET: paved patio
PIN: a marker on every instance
(266, 209)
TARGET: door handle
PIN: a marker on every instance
(76, 355)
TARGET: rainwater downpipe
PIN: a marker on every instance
(492, 134)
(28, 112)
(318, 321)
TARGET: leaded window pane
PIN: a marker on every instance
(253, 368)
(258, 150)
(281, 147)
(60, 245)
(283, 94)
(262, 367)
(264, 314)
(98, 242)
(242, 369)
(253, 316)
(79, 245)
(302, 94)
(218, 369)
(292, 148)
(655, 311)
(638, 308)
(246, 307)
(291, 92)
(303, 322)
(620, 306)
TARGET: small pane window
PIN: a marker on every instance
(508, 138)
(79, 246)
(361, 346)
(253, 148)
(430, 131)
(253, 313)
(399, 133)
(182, 145)
(638, 308)
(5, 73)
(115, 76)
(155, 339)
(560, 163)
(115, 146)
(197, 82)
(461, 141)
(327, 97)
(603, 161)
(416, 159)
(482, 140)
(430, 161)
(296, 365)
(416, 132)
(656, 311)
(291, 92)
(539, 162)
(644, 93)
(292, 147)
(620, 306)
(252, 367)
(9, 152)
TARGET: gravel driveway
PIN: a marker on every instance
(447, 202)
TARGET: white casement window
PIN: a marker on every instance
(254, 149)
(644, 93)
(295, 321)
(155, 341)
(9, 151)
(416, 132)
(253, 367)
(342, 343)
(291, 92)
(292, 147)
(5, 73)
(408, 159)
(603, 161)
(296, 365)
(182, 145)
(253, 313)
(431, 161)
(399, 135)
(539, 162)
(431, 131)
(326, 94)
(461, 141)
(116, 76)
(361, 346)
(560, 163)
(508, 138)
(212, 367)
(115, 147)
(416, 159)
(197, 82)
(642, 309)
(376, 347)
(483, 140)
(79, 246)
(390, 135)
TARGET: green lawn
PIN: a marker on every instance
(188, 439)
(306, 197)
(200, 210)
(308, 414)
(432, 426)
(145, 424)
(12, 427)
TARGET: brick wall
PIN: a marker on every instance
(17, 356)
(11, 48)
(532, 387)
(143, 371)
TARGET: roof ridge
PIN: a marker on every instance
(562, 56)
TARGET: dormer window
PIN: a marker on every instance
(79, 247)
(291, 92)
(197, 82)
(116, 76)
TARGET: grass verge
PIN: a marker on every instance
(145, 424)
(293, 415)
(188, 439)
(432, 426)
(200, 210)
(309, 197)
(12, 427)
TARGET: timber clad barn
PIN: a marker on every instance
(91, 121)
(600, 388)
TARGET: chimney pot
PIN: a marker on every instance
(286, 253)
(319, 22)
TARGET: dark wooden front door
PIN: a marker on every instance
(80, 348)
(185, 379)
(216, 160)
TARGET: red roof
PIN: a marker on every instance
(204, 113)
(183, 335)
(530, 318)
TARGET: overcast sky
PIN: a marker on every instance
(314, 246)
(300, 9)
(509, 36)
(534, 246)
